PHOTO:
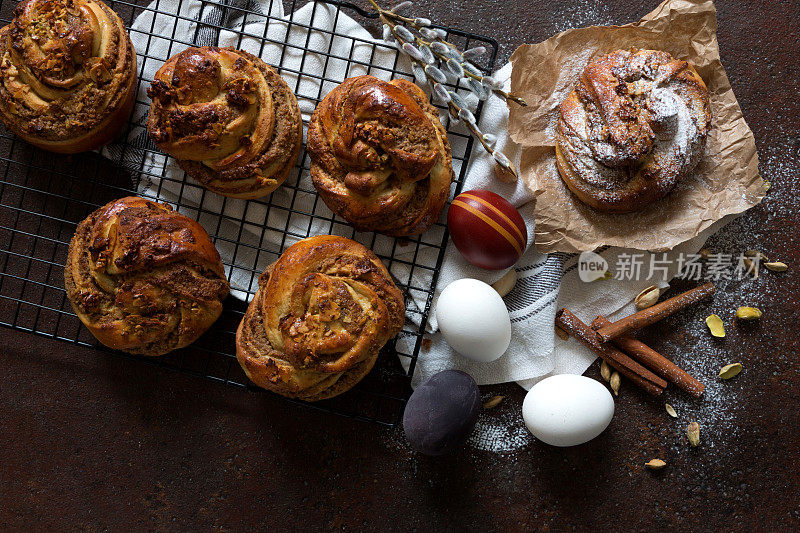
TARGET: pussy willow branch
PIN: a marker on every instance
(387, 14)
(508, 171)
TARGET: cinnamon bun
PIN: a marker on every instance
(143, 278)
(635, 125)
(380, 157)
(321, 314)
(229, 119)
(67, 74)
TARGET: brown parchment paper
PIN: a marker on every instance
(726, 180)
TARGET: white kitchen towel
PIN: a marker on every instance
(317, 47)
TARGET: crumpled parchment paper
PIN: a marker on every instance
(726, 180)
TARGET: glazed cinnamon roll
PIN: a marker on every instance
(634, 126)
(229, 119)
(380, 157)
(321, 314)
(143, 278)
(67, 74)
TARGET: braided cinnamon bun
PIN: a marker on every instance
(321, 314)
(229, 119)
(67, 74)
(143, 278)
(634, 126)
(380, 157)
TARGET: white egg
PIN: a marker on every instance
(474, 320)
(567, 410)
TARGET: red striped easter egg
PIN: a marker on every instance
(487, 230)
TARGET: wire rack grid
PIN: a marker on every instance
(43, 196)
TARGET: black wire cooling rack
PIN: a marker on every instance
(43, 196)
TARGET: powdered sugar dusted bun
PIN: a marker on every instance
(634, 126)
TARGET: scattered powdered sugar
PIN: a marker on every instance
(588, 13)
(702, 356)
(501, 430)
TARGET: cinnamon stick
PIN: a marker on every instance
(653, 314)
(622, 363)
(653, 360)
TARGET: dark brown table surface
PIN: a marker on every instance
(92, 441)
